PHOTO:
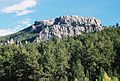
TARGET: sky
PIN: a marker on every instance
(16, 15)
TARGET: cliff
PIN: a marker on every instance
(61, 27)
(65, 26)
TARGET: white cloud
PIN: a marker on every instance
(21, 25)
(21, 8)
(24, 12)
(4, 32)
(25, 22)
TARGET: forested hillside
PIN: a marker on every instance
(88, 57)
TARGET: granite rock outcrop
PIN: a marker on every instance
(66, 26)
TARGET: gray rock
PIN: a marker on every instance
(65, 26)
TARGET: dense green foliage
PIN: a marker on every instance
(89, 57)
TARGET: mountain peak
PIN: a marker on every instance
(65, 26)
(78, 20)
(72, 19)
(60, 27)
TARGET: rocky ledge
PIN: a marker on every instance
(65, 26)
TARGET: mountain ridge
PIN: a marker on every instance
(60, 27)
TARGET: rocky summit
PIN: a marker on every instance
(65, 26)
(61, 27)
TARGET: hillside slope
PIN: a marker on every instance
(61, 27)
(88, 57)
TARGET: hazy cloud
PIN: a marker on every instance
(24, 12)
(4, 32)
(21, 25)
(21, 8)
(25, 22)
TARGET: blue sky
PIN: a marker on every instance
(18, 14)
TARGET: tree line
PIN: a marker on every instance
(88, 57)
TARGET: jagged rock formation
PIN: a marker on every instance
(65, 26)
(61, 27)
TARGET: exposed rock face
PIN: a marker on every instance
(65, 26)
